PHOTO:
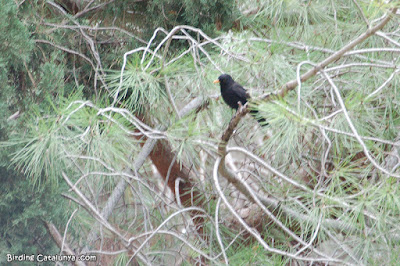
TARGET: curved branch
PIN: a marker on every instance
(312, 72)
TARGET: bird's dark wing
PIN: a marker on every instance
(240, 91)
(233, 94)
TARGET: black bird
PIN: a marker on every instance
(232, 93)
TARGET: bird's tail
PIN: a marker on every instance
(254, 113)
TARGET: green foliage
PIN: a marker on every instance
(22, 212)
(122, 259)
(52, 75)
(69, 129)
(16, 45)
(288, 142)
(252, 255)
(15, 49)
(186, 136)
(199, 13)
(139, 88)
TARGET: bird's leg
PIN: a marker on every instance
(241, 107)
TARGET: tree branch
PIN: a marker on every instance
(55, 234)
(312, 72)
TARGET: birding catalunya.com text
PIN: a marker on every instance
(50, 258)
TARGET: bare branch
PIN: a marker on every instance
(55, 234)
(352, 127)
(293, 84)
(252, 231)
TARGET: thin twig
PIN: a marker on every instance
(345, 49)
(354, 130)
(252, 231)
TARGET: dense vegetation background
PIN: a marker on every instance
(114, 141)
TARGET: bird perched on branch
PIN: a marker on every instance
(232, 93)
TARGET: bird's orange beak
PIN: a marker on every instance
(216, 81)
